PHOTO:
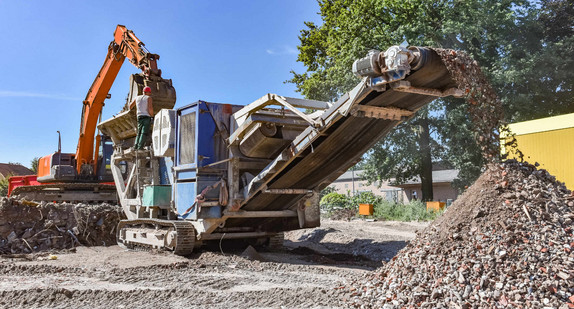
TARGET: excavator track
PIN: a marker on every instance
(148, 234)
(276, 241)
(68, 192)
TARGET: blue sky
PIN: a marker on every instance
(213, 50)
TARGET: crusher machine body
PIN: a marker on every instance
(221, 171)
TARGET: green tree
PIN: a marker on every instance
(34, 164)
(515, 42)
(4, 186)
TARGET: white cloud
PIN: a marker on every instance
(24, 94)
(284, 50)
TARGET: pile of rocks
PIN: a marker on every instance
(506, 242)
(27, 227)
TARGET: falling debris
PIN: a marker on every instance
(484, 105)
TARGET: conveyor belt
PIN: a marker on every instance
(341, 143)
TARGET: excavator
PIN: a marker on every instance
(85, 176)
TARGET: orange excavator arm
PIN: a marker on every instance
(125, 45)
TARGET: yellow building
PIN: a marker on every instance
(550, 142)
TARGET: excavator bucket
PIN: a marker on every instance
(162, 91)
(124, 125)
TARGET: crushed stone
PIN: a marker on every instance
(507, 242)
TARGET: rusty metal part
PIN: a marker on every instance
(289, 191)
(236, 235)
(388, 113)
(260, 214)
(405, 86)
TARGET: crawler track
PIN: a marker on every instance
(175, 236)
(68, 192)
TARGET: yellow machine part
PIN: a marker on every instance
(549, 142)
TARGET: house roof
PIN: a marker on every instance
(14, 169)
(349, 175)
(442, 176)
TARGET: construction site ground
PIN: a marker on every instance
(506, 242)
(309, 272)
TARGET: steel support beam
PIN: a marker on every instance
(387, 113)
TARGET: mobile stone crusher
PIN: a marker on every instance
(221, 171)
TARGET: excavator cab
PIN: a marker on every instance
(103, 171)
(56, 167)
(60, 167)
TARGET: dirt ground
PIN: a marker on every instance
(308, 273)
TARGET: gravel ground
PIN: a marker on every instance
(310, 272)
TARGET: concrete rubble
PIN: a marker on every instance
(28, 227)
(507, 242)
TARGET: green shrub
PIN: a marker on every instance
(334, 200)
(412, 211)
(365, 198)
(4, 187)
(326, 191)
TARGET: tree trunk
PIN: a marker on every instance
(426, 160)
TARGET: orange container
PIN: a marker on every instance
(366, 209)
(436, 206)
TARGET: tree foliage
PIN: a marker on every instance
(4, 184)
(34, 164)
(522, 46)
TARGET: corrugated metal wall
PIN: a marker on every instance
(549, 144)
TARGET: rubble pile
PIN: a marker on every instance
(507, 242)
(343, 214)
(27, 227)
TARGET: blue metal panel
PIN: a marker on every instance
(213, 212)
(165, 175)
(185, 192)
(210, 147)
(206, 142)
(185, 198)
(186, 174)
(191, 108)
(203, 182)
